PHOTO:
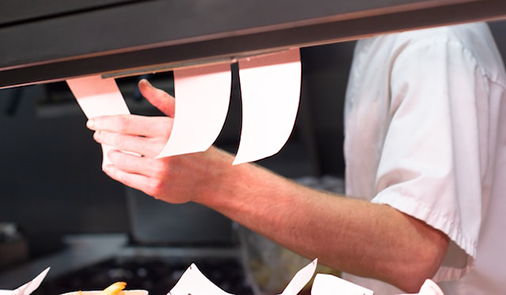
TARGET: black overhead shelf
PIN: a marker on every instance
(65, 39)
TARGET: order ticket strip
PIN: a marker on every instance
(270, 91)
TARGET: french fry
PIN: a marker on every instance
(114, 288)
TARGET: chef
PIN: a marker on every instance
(425, 168)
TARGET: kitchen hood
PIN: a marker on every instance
(71, 38)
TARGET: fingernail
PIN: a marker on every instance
(144, 81)
(148, 83)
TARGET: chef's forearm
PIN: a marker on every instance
(350, 235)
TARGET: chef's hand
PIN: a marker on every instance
(176, 179)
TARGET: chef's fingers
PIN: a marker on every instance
(145, 146)
(136, 181)
(132, 124)
(135, 173)
(129, 163)
(157, 97)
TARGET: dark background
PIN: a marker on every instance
(51, 183)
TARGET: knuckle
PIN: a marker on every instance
(159, 169)
(116, 140)
(113, 156)
(154, 188)
(123, 123)
(123, 178)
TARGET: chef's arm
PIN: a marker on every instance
(351, 235)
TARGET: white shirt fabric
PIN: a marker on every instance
(425, 125)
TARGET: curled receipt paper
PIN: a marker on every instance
(195, 283)
(429, 288)
(98, 97)
(270, 90)
(326, 284)
(301, 278)
(202, 98)
(29, 287)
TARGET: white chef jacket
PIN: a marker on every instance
(425, 125)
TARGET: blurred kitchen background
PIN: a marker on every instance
(54, 196)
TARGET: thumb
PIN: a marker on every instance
(157, 97)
